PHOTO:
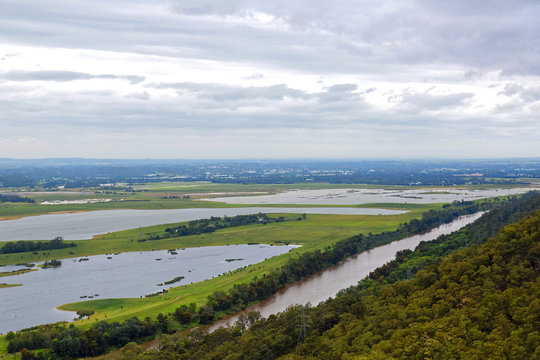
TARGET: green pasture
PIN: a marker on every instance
(4, 355)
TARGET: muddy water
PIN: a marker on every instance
(327, 283)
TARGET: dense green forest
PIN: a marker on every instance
(73, 342)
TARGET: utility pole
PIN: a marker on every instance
(303, 327)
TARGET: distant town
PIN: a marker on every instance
(71, 173)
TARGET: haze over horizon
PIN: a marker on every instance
(238, 79)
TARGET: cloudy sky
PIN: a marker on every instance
(270, 79)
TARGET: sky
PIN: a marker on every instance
(239, 79)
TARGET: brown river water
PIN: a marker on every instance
(327, 283)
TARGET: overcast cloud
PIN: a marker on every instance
(248, 79)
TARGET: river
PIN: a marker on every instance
(327, 283)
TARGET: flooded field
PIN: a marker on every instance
(367, 196)
(121, 275)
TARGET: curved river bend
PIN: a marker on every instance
(327, 283)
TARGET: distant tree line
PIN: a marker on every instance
(24, 246)
(15, 198)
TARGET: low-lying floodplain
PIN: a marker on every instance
(146, 271)
(313, 231)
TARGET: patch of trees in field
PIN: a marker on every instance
(24, 246)
(52, 264)
(15, 198)
(280, 334)
(204, 226)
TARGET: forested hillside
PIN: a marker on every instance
(481, 302)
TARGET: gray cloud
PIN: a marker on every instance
(426, 100)
(61, 76)
(255, 77)
(326, 36)
(221, 93)
(367, 50)
(526, 94)
(245, 108)
(216, 127)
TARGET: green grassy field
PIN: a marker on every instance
(3, 350)
(130, 201)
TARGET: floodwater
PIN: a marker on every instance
(124, 275)
(368, 196)
(327, 283)
(84, 225)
